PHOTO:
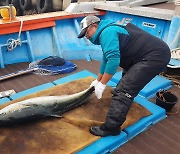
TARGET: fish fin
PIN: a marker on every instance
(57, 116)
(26, 106)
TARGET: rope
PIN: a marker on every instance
(12, 43)
(173, 112)
(174, 79)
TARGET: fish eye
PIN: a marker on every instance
(2, 113)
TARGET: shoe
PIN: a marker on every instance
(103, 131)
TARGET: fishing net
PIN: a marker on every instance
(52, 65)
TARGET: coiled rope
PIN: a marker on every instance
(13, 43)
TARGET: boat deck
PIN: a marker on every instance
(168, 6)
(163, 137)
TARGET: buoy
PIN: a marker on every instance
(5, 13)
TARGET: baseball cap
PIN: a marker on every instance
(85, 23)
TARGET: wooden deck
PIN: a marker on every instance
(163, 137)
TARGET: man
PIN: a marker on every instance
(141, 55)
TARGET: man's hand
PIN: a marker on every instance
(99, 89)
(94, 83)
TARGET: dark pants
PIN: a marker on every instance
(134, 79)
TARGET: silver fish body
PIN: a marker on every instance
(41, 107)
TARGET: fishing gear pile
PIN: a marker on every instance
(52, 65)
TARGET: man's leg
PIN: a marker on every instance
(129, 86)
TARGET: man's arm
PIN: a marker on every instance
(111, 59)
(104, 78)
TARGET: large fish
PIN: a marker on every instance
(41, 107)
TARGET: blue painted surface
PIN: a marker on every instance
(4, 100)
(174, 33)
(74, 48)
(19, 54)
(32, 90)
(115, 16)
(56, 42)
(157, 112)
(30, 46)
(156, 84)
(152, 26)
(62, 40)
(156, 27)
(4, 59)
(43, 43)
(1, 58)
(105, 144)
(174, 62)
(166, 31)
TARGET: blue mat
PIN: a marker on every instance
(174, 62)
(74, 76)
(80, 75)
(4, 100)
(105, 144)
(32, 90)
(157, 112)
(151, 88)
(156, 84)
(110, 143)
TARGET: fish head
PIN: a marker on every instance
(8, 111)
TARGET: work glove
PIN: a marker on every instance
(94, 83)
(99, 89)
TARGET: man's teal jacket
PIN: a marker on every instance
(107, 35)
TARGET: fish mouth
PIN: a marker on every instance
(91, 89)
